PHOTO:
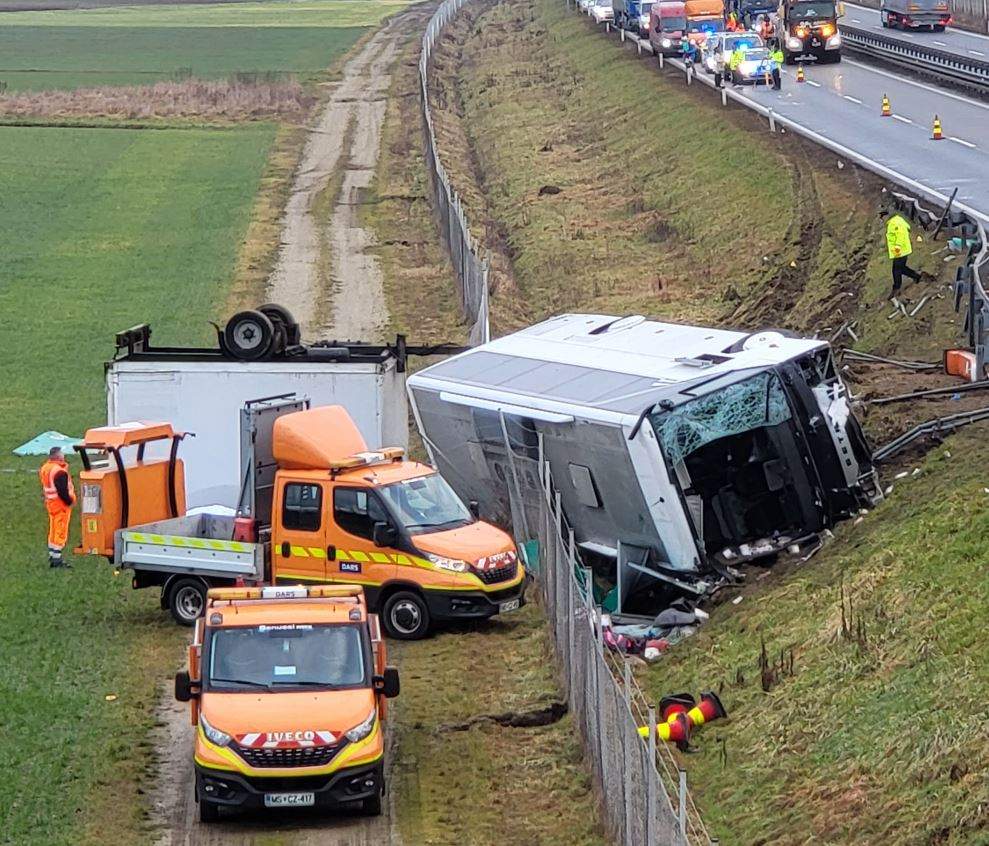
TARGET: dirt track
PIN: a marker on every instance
(353, 307)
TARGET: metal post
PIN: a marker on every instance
(571, 610)
(724, 94)
(682, 809)
(622, 31)
(662, 59)
(627, 769)
(772, 121)
(638, 44)
(690, 74)
(651, 782)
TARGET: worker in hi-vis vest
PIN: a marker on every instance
(60, 496)
(898, 247)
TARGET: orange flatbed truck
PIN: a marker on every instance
(316, 507)
(287, 689)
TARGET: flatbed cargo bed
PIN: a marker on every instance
(197, 544)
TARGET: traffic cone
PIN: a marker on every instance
(800, 73)
(709, 710)
(887, 111)
(677, 731)
(936, 135)
(677, 703)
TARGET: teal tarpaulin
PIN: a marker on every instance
(40, 444)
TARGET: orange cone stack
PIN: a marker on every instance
(887, 111)
(800, 73)
(937, 135)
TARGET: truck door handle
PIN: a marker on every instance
(285, 549)
(331, 553)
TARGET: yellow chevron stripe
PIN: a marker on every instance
(357, 555)
(299, 552)
(317, 552)
(380, 558)
(187, 542)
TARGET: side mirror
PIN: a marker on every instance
(184, 687)
(387, 684)
(384, 534)
(474, 508)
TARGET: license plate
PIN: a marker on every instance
(511, 605)
(289, 800)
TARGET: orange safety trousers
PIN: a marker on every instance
(59, 515)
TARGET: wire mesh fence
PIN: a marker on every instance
(471, 269)
(644, 791)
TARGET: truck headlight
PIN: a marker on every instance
(834, 40)
(453, 564)
(794, 43)
(362, 730)
(214, 735)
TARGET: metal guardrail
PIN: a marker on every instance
(961, 70)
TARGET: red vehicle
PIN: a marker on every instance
(667, 25)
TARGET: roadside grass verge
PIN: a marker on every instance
(103, 229)
(136, 45)
(463, 779)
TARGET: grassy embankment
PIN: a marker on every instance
(105, 228)
(458, 781)
(671, 206)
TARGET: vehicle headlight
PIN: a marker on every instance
(834, 40)
(214, 735)
(794, 43)
(453, 564)
(666, 42)
(362, 730)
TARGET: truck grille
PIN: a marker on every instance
(306, 756)
(502, 574)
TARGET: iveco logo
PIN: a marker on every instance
(281, 736)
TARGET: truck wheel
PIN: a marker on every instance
(371, 807)
(249, 335)
(208, 812)
(406, 616)
(186, 601)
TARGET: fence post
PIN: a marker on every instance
(682, 809)
(626, 768)
(571, 610)
(651, 782)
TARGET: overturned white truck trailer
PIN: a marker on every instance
(688, 449)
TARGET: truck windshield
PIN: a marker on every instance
(286, 656)
(707, 26)
(810, 9)
(674, 24)
(426, 504)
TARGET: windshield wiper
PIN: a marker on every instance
(436, 525)
(215, 680)
(305, 683)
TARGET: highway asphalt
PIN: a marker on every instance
(957, 41)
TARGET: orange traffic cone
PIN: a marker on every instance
(709, 709)
(800, 73)
(676, 703)
(936, 135)
(676, 731)
(887, 111)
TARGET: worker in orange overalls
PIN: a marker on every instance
(60, 496)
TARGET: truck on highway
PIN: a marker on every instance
(632, 15)
(315, 506)
(749, 11)
(667, 27)
(809, 28)
(704, 17)
(915, 14)
(287, 689)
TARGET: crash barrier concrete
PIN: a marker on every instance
(952, 67)
(465, 253)
(971, 14)
(958, 217)
(644, 792)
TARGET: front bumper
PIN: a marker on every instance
(473, 605)
(335, 790)
(817, 46)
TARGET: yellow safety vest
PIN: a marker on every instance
(898, 237)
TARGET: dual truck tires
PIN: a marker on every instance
(404, 614)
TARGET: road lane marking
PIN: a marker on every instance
(811, 82)
(962, 141)
(939, 43)
(976, 52)
(941, 92)
(901, 118)
(853, 99)
(856, 21)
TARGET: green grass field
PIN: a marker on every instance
(142, 44)
(102, 229)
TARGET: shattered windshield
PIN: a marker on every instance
(750, 404)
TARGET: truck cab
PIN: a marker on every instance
(287, 689)
(809, 28)
(667, 25)
(632, 15)
(704, 19)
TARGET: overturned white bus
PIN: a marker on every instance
(689, 448)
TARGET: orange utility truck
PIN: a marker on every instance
(316, 506)
(287, 687)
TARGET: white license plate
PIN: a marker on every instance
(511, 605)
(289, 800)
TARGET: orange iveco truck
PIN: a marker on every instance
(287, 687)
(316, 506)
